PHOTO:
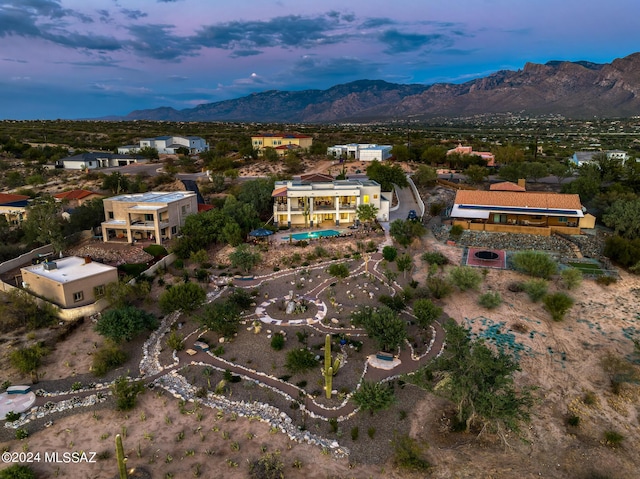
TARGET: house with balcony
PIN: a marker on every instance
(361, 151)
(468, 150)
(152, 216)
(14, 208)
(168, 145)
(518, 212)
(314, 200)
(281, 142)
(69, 282)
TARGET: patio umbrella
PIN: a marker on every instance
(261, 233)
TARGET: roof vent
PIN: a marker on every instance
(50, 265)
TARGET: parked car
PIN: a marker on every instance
(412, 216)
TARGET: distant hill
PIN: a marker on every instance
(573, 89)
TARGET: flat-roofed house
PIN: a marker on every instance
(69, 282)
(96, 159)
(281, 142)
(154, 215)
(361, 151)
(13, 208)
(517, 212)
(315, 199)
(168, 145)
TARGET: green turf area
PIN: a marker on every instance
(588, 268)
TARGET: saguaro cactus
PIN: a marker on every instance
(122, 469)
(330, 367)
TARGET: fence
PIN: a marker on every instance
(416, 195)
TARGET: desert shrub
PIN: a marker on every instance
(426, 312)
(269, 466)
(300, 360)
(573, 420)
(465, 277)
(389, 253)
(604, 280)
(536, 289)
(18, 471)
(395, 302)
(373, 396)
(589, 398)
(186, 297)
(456, 231)
(436, 208)
(175, 341)
(613, 438)
(407, 454)
(572, 278)
(156, 250)
(277, 341)
(535, 263)
(371, 432)
(240, 298)
(355, 432)
(339, 270)
(558, 304)
(126, 392)
(439, 287)
(434, 257)
(624, 251)
(107, 358)
(11, 416)
(490, 300)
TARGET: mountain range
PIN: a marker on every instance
(572, 89)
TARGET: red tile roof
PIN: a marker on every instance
(75, 194)
(506, 186)
(202, 207)
(10, 198)
(282, 191)
(518, 199)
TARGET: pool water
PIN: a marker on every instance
(312, 235)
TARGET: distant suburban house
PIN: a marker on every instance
(14, 208)
(69, 282)
(93, 160)
(75, 198)
(468, 150)
(580, 158)
(168, 145)
(154, 215)
(281, 142)
(361, 151)
(317, 199)
(518, 212)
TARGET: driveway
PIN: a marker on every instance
(407, 203)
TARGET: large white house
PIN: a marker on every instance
(580, 158)
(361, 151)
(97, 159)
(315, 199)
(168, 145)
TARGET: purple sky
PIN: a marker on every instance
(91, 58)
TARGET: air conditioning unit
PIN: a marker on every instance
(50, 265)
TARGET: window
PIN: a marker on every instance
(148, 217)
(375, 197)
(365, 199)
(110, 215)
(562, 219)
(499, 218)
(99, 291)
(79, 296)
(174, 230)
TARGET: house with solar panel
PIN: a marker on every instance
(519, 212)
(153, 216)
(14, 208)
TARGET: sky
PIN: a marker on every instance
(71, 59)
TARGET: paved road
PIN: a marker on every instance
(407, 203)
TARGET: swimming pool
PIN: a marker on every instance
(312, 235)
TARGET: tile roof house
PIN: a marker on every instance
(468, 150)
(517, 212)
(507, 186)
(13, 207)
(75, 198)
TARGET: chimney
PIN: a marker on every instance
(522, 182)
(87, 259)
